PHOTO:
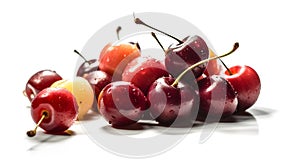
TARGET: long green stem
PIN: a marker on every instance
(175, 83)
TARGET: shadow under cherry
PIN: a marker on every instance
(43, 138)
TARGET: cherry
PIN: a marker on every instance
(172, 100)
(54, 110)
(39, 81)
(93, 64)
(246, 83)
(143, 71)
(122, 103)
(217, 98)
(182, 56)
(172, 105)
(113, 59)
(87, 66)
(189, 51)
(98, 80)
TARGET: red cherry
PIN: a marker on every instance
(246, 83)
(121, 103)
(39, 81)
(217, 98)
(98, 80)
(54, 110)
(143, 71)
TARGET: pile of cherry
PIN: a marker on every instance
(125, 87)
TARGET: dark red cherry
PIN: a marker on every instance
(39, 81)
(121, 103)
(190, 50)
(98, 80)
(180, 57)
(218, 99)
(172, 105)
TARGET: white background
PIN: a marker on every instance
(37, 35)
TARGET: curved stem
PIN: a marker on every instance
(175, 83)
(119, 28)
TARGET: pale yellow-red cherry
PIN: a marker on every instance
(82, 91)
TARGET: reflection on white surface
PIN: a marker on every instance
(241, 124)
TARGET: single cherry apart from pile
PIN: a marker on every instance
(54, 110)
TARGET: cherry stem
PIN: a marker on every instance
(85, 60)
(119, 28)
(154, 35)
(228, 70)
(175, 83)
(32, 133)
(139, 21)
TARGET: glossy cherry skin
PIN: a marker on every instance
(143, 71)
(115, 58)
(121, 103)
(39, 81)
(180, 57)
(217, 98)
(172, 105)
(60, 107)
(246, 83)
(98, 80)
(87, 67)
